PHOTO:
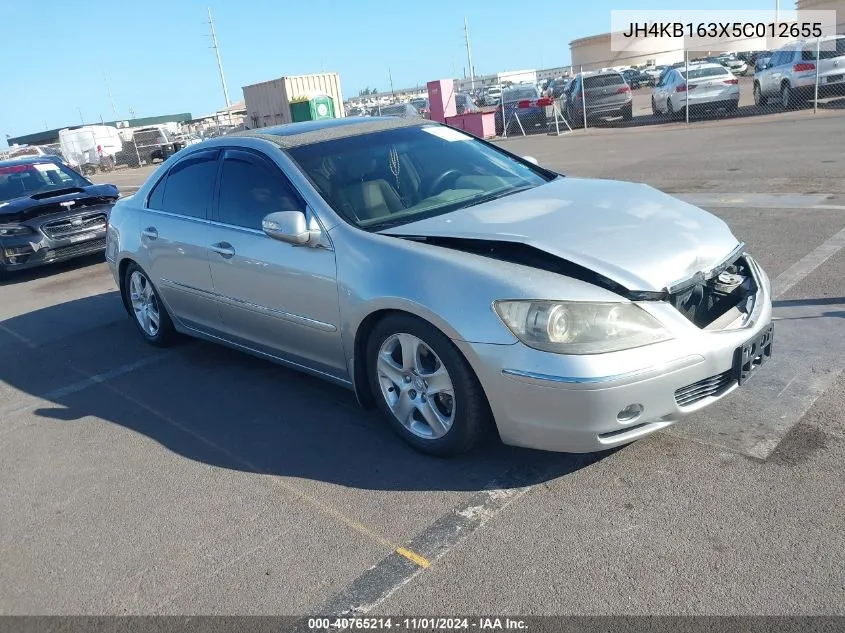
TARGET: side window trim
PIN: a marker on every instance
(260, 159)
(162, 182)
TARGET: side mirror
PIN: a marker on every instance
(531, 160)
(287, 226)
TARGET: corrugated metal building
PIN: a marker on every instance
(268, 103)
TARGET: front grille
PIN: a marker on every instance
(76, 249)
(712, 386)
(75, 225)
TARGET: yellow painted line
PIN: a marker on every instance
(413, 557)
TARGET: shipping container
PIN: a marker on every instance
(268, 103)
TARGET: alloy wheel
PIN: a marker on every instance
(416, 386)
(144, 302)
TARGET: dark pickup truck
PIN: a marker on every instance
(49, 213)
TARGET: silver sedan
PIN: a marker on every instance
(458, 288)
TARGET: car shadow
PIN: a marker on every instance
(48, 270)
(227, 409)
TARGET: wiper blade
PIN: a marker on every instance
(495, 196)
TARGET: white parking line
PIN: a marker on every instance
(63, 392)
(807, 264)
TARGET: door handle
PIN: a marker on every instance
(150, 232)
(224, 249)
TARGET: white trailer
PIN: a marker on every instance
(90, 145)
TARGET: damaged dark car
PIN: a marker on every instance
(49, 213)
(458, 288)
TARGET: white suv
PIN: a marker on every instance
(790, 74)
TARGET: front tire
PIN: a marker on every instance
(146, 309)
(425, 387)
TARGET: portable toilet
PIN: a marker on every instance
(312, 107)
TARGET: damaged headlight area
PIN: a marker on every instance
(570, 327)
(8, 230)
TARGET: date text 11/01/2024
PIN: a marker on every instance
(416, 624)
(723, 29)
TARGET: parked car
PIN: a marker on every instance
(154, 143)
(50, 152)
(605, 94)
(464, 104)
(635, 78)
(523, 109)
(790, 74)
(404, 110)
(556, 87)
(49, 213)
(703, 87)
(732, 63)
(287, 245)
(654, 74)
(492, 95)
(423, 107)
(761, 61)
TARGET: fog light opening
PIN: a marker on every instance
(629, 413)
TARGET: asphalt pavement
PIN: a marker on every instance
(197, 480)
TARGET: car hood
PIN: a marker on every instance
(633, 234)
(42, 204)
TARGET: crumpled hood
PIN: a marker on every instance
(25, 205)
(631, 233)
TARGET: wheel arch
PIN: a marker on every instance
(361, 337)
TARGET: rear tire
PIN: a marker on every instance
(733, 107)
(787, 97)
(628, 113)
(404, 353)
(759, 99)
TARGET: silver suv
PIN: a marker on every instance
(605, 94)
(790, 74)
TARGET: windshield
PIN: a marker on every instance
(22, 180)
(399, 176)
(418, 103)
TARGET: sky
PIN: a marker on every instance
(155, 56)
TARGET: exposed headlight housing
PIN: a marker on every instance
(7, 230)
(575, 327)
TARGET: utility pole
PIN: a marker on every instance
(390, 75)
(220, 66)
(469, 55)
(111, 98)
(81, 119)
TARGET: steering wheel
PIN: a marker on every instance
(434, 188)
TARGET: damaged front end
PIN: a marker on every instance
(720, 298)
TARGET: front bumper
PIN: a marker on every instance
(54, 238)
(573, 403)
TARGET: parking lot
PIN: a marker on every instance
(198, 480)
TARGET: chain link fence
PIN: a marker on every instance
(667, 86)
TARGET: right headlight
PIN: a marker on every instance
(575, 327)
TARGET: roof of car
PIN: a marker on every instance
(698, 65)
(28, 160)
(308, 132)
